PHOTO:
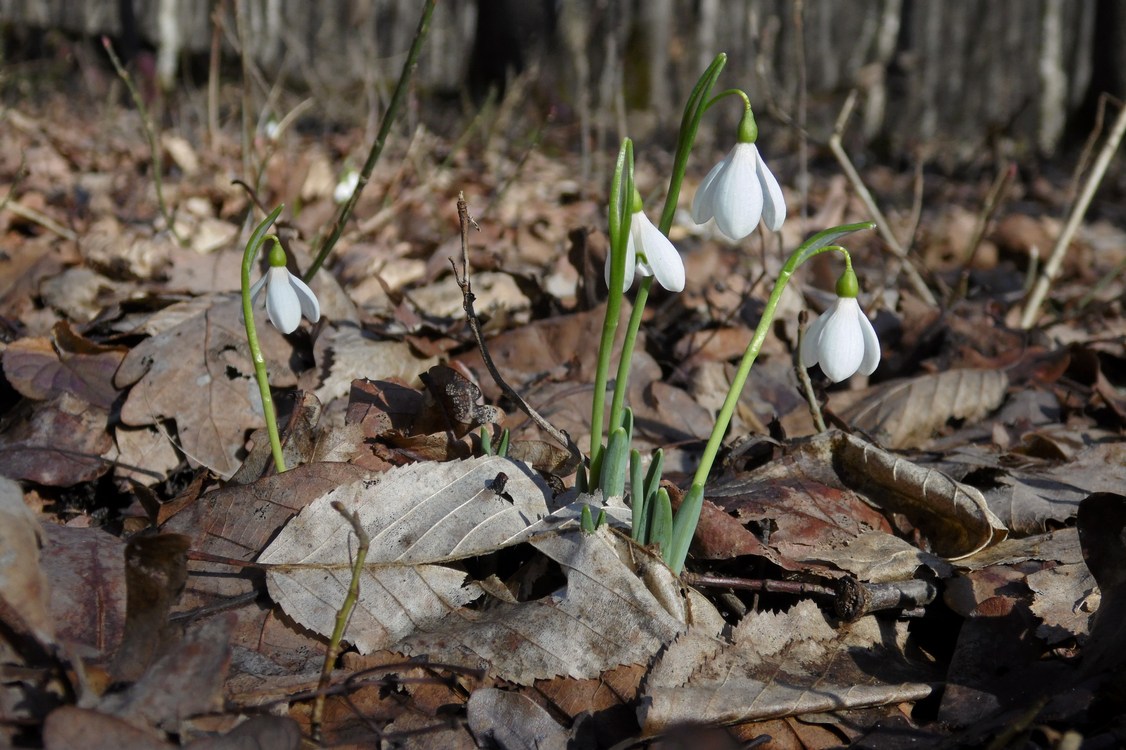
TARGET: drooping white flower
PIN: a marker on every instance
(347, 185)
(842, 340)
(287, 299)
(650, 253)
(738, 192)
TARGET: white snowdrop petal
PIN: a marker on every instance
(737, 201)
(310, 307)
(812, 338)
(702, 201)
(871, 346)
(282, 305)
(257, 288)
(774, 202)
(661, 257)
(841, 347)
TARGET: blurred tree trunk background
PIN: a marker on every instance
(956, 76)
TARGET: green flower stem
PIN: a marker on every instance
(256, 239)
(688, 516)
(621, 190)
(689, 125)
(397, 99)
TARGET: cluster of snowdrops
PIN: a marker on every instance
(738, 193)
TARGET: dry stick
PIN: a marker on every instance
(858, 185)
(213, 63)
(467, 297)
(993, 200)
(150, 135)
(803, 376)
(389, 116)
(1052, 267)
(796, 588)
(32, 215)
(342, 616)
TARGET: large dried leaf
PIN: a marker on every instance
(40, 368)
(417, 516)
(953, 516)
(780, 664)
(57, 442)
(196, 369)
(611, 612)
(424, 515)
(907, 413)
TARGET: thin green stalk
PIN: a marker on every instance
(397, 99)
(150, 135)
(620, 191)
(252, 246)
(688, 516)
(621, 382)
(343, 615)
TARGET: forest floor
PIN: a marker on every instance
(161, 585)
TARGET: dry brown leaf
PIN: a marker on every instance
(59, 442)
(196, 369)
(907, 413)
(41, 368)
(23, 586)
(86, 570)
(780, 664)
(69, 727)
(512, 720)
(346, 354)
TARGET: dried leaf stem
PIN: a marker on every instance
(1052, 267)
(150, 135)
(342, 616)
(389, 116)
(861, 189)
(467, 298)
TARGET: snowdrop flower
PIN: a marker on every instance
(287, 297)
(649, 253)
(741, 189)
(347, 185)
(842, 339)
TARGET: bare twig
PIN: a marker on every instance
(861, 189)
(803, 376)
(467, 298)
(1052, 266)
(342, 616)
(797, 588)
(30, 214)
(858, 598)
(993, 200)
(389, 116)
(150, 135)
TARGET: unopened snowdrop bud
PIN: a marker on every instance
(649, 253)
(741, 189)
(287, 297)
(842, 339)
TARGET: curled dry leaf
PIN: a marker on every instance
(907, 413)
(953, 516)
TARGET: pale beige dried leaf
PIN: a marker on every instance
(780, 664)
(512, 720)
(1064, 598)
(417, 516)
(23, 586)
(907, 413)
(605, 616)
(877, 556)
(346, 355)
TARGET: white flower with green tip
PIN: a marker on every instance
(287, 297)
(842, 339)
(741, 190)
(649, 253)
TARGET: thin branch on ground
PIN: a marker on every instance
(897, 249)
(1052, 266)
(30, 214)
(342, 616)
(467, 298)
(993, 200)
(803, 376)
(150, 135)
